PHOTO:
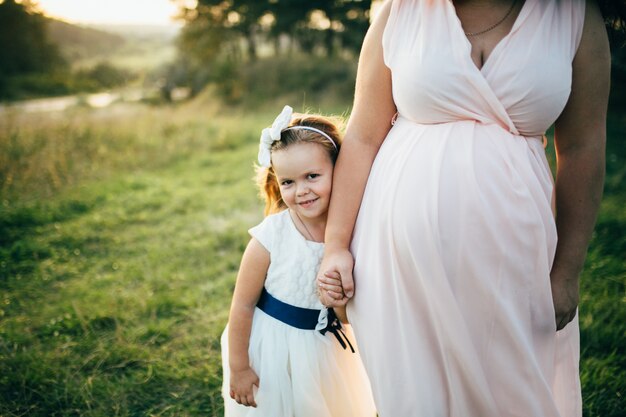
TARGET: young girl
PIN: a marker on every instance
(283, 353)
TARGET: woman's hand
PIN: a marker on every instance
(335, 278)
(330, 285)
(565, 298)
(579, 138)
(241, 383)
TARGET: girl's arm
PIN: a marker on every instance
(333, 283)
(368, 126)
(250, 279)
(580, 136)
(341, 314)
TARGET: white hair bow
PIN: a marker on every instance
(271, 134)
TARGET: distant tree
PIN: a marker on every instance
(354, 17)
(205, 31)
(25, 52)
(221, 35)
(104, 75)
(24, 46)
(246, 16)
(214, 26)
(348, 21)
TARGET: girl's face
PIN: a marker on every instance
(304, 172)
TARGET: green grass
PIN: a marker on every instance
(120, 234)
(603, 289)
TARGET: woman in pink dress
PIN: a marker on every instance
(464, 302)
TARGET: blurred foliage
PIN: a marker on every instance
(32, 65)
(24, 45)
(222, 41)
(57, 83)
(103, 75)
(296, 79)
(215, 25)
(25, 49)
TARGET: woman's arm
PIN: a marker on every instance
(250, 279)
(580, 136)
(368, 125)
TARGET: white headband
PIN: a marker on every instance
(270, 135)
(312, 129)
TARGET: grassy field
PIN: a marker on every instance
(120, 234)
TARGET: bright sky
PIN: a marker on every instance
(111, 11)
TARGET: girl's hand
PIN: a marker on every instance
(336, 265)
(565, 298)
(241, 383)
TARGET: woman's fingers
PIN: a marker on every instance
(246, 400)
(331, 286)
(245, 397)
(564, 320)
(330, 283)
(250, 400)
(336, 294)
(334, 300)
(332, 275)
(347, 282)
(334, 286)
(330, 279)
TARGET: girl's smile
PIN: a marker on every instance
(308, 203)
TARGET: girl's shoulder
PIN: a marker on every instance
(275, 220)
(272, 226)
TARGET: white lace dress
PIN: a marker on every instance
(302, 373)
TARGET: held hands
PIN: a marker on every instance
(335, 279)
(331, 292)
(241, 386)
(565, 298)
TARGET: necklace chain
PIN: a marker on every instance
(492, 27)
(304, 225)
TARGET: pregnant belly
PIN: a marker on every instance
(469, 187)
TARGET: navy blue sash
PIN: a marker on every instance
(302, 318)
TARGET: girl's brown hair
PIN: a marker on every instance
(269, 189)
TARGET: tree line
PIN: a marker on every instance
(32, 65)
(221, 36)
(240, 26)
(222, 40)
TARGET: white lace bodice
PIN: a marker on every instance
(294, 260)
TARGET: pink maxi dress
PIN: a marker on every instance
(456, 236)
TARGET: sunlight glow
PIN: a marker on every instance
(145, 12)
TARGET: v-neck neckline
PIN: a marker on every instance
(296, 230)
(519, 19)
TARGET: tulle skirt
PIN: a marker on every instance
(302, 373)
